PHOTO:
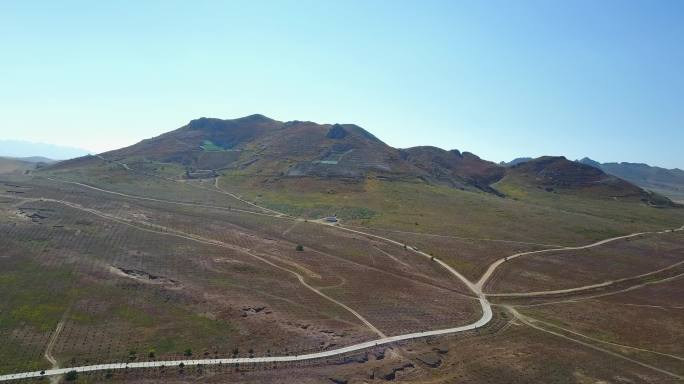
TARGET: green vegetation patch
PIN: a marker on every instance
(27, 295)
(134, 315)
(356, 213)
(527, 214)
(40, 315)
(19, 358)
(209, 146)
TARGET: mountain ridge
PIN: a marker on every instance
(262, 147)
(669, 182)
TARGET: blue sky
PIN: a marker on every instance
(501, 79)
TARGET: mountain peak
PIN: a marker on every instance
(205, 123)
(516, 161)
(256, 117)
(590, 162)
(213, 122)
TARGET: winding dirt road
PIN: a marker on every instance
(584, 287)
(188, 236)
(532, 323)
(486, 317)
(488, 274)
(476, 288)
(51, 344)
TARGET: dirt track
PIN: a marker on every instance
(476, 288)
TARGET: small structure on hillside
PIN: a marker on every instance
(331, 219)
(200, 174)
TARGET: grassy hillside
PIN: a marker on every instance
(528, 215)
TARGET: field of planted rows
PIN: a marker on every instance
(96, 277)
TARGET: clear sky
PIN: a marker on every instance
(597, 78)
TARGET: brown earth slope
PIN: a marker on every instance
(262, 146)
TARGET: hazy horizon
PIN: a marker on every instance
(499, 79)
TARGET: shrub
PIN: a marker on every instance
(71, 376)
(300, 247)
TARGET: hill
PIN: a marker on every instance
(553, 174)
(37, 159)
(668, 182)
(455, 168)
(265, 151)
(12, 165)
(258, 145)
(313, 170)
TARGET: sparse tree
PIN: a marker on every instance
(300, 247)
(188, 352)
(71, 376)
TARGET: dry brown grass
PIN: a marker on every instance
(575, 268)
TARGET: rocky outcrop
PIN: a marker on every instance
(336, 132)
(430, 359)
(389, 372)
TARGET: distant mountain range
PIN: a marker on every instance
(667, 182)
(26, 149)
